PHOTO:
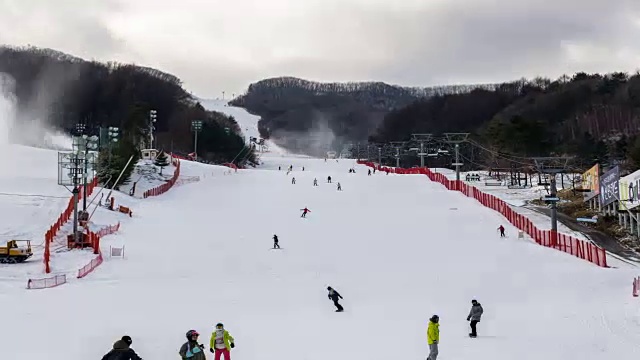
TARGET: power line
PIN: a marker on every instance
(34, 195)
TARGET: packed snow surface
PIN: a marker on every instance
(399, 248)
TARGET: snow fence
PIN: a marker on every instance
(548, 238)
(159, 190)
(62, 219)
(95, 240)
(47, 282)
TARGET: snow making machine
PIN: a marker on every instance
(16, 251)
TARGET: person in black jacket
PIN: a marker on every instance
(122, 350)
(334, 296)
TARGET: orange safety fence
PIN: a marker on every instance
(47, 283)
(548, 238)
(158, 190)
(62, 219)
(95, 243)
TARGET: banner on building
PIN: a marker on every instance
(609, 186)
(628, 191)
(590, 182)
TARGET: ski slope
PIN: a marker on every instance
(398, 248)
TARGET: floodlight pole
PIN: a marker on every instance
(456, 139)
(552, 166)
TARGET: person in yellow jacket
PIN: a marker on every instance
(221, 342)
(433, 337)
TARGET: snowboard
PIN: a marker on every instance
(275, 248)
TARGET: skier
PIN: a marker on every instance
(122, 350)
(433, 337)
(315, 182)
(374, 170)
(279, 168)
(339, 187)
(191, 350)
(293, 180)
(275, 242)
(304, 212)
(501, 228)
(303, 168)
(369, 173)
(474, 316)
(221, 342)
(329, 179)
(334, 296)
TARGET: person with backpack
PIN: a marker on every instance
(191, 350)
(433, 337)
(221, 342)
(474, 316)
(335, 296)
(122, 350)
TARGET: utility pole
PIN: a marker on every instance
(196, 127)
(421, 138)
(552, 166)
(456, 139)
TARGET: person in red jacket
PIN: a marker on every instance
(501, 228)
(304, 212)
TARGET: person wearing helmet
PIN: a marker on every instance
(191, 350)
(221, 342)
(122, 350)
(433, 337)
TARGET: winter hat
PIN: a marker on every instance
(127, 339)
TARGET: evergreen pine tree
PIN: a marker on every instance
(162, 160)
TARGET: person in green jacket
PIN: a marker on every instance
(433, 337)
(221, 342)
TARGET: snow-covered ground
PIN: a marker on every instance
(248, 122)
(519, 198)
(391, 245)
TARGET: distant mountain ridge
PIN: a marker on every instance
(312, 116)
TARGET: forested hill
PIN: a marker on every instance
(58, 90)
(591, 116)
(314, 117)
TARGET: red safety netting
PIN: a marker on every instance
(158, 190)
(62, 219)
(95, 241)
(47, 282)
(568, 244)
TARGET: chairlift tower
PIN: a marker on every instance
(552, 166)
(456, 139)
(398, 145)
(422, 138)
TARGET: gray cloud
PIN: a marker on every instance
(216, 46)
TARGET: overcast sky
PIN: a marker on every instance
(216, 46)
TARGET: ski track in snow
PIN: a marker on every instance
(200, 254)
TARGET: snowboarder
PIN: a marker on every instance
(374, 170)
(293, 180)
(221, 342)
(191, 350)
(275, 242)
(335, 296)
(329, 179)
(304, 212)
(369, 173)
(315, 182)
(501, 228)
(303, 168)
(122, 350)
(339, 187)
(433, 337)
(279, 168)
(474, 316)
